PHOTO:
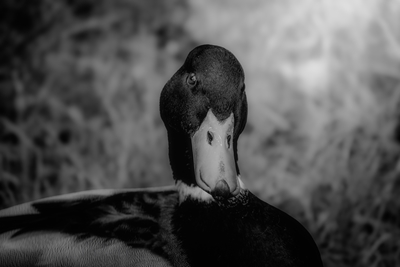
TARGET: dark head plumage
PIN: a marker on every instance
(210, 78)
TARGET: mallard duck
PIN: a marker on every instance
(208, 218)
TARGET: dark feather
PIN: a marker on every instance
(138, 219)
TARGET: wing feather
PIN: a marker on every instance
(125, 227)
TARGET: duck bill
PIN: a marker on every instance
(214, 162)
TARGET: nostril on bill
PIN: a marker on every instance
(228, 141)
(210, 137)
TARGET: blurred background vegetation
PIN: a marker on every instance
(80, 82)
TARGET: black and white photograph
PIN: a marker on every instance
(194, 133)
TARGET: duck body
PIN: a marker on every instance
(151, 228)
(208, 218)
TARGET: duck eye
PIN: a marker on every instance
(191, 79)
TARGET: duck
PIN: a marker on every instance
(207, 218)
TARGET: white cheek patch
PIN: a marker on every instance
(194, 192)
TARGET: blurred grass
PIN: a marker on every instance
(79, 89)
(81, 108)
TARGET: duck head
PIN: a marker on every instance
(204, 109)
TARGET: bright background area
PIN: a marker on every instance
(80, 82)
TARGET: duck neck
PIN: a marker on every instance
(181, 158)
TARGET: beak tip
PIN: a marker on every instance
(221, 190)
